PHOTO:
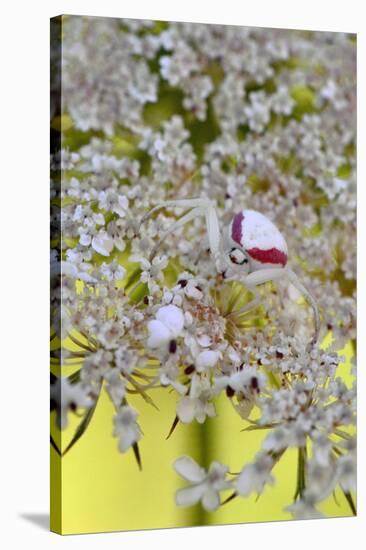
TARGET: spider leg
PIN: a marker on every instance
(263, 276)
(179, 223)
(180, 203)
(273, 274)
(254, 279)
(293, 278)
(213, 232)
(199, 207)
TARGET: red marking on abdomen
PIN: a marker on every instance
(236, 230)
(270, 256)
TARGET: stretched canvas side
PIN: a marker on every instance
(203, 274)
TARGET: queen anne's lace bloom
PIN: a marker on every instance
(260, 119)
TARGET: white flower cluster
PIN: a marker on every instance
(250, 118)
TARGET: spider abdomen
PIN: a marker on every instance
(260, 238)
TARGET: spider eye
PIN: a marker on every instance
(237, 257)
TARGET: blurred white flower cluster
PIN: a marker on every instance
(250, 118)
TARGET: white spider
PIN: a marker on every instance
(250, 249)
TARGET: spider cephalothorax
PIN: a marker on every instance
(238, 257)
(250, 249)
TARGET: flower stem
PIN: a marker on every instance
(301, 472)
(350, 502)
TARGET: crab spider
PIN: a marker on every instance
(250, 249)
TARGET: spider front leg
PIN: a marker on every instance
(256, 278)
(292, 277)
(198, 207)
(182, 221)
(252, 280)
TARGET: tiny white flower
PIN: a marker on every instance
(113, 271)
(167, 326)
(169, 373)
(125, 359)
(167, 297)
(191, 290)
(85, 238)
(172, 317)
(207, 360)
(188, 319)
(322, 448)
(347, 472)
(255, 476)
(321, 479)
(112, 201)
(258, 111)
(281, 102)
(248, 380)
(247, 384)
(115, 231)
(116, 386)
(276, 440)
(111, 332)
(76, 272)
(68, 397)
(305, 508)
(178, 300)
(204, 340)
(102, 243)
(197, 404)
(126, 428)
(206, 486)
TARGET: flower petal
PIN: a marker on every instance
(103, 244)
(128, 438)
(207, 360)
(68, 268)
(210, 500)
(189, 495)
(172, 317)
(159, 334)
(188, 468)
(244, 483)
(85, 239)
(186, 409)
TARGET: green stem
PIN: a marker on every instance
(80, 344)
(350, 502)
(301, 472)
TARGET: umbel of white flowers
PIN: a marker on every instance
(277, 112)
